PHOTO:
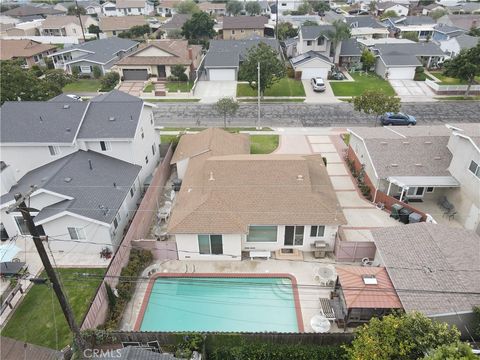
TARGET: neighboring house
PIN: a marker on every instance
(227, 204)
(16, 349)
(423, 26)
(91, 7)
(112, 26)
(131, 7)
(287, 6)
(290, 46)
(67, 26)
(350, 53)
(265, 8)
(315, 38)
(444, 32)
(175, 23)
(167, 8)
(465, 8)
(427, 10)
(35, 133)
(465, 22)
(224, 57)
(366, 27)
(310, 65)
(101, 53)
(362, 293)
(30, 52)
(434, 269)
(243, 27)
(109, 9)
(398, 61)
(29, 12)
(215, 9)
(156, 58)
(453, 46)
(400, 9)
(29, 28)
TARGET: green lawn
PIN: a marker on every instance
(175, 86)
(166, 139)
(82, 85)
(362, 83)
(269, 101)
(148, 88)
(229, 129)
(171, 100)
(263, 144)
(284, 87)
(33, 321)
(445, 80)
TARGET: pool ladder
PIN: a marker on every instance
(187, 268)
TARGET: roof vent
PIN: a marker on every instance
(111, 118)
(437, 158)
(211, 176)
(90, 164)
(418, 165)
(67, 179)
(300, 177)
(66, 106)
(68, 129)
(383, 143)
(394, 165)
(114, 184)
(428, 142)
(41, 119)
(405, 142)
(369, 280)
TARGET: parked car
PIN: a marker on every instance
(318, 84)
(390, 118)
(74, 97)
(358, 12)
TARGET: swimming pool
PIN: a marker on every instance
(202, 302)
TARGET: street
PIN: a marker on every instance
(310, 115)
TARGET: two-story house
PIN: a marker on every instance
(366, 27)
(422, 26)
(67, 26)
(243, 27)
(109, 9)
(131, 7)
(91, 7)
(315, 38)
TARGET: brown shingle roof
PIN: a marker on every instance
(109, 23)
(244, 22)
(22, 48)
(359, 295)
(14, 350)
(205, 6)
(55, 22)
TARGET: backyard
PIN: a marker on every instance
(41, 311)
(362, 83)
(445, 80)
(284, 87)
(82, 85)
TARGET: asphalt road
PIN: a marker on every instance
(310, 115)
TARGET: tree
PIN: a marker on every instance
(97, 72)
(199, 27)
(388, 14)
(410, 35)
(178, 73)
(57, 76)
(234, 7)
(437, 14)
(73, 10)
(474, 31)
(253, 8)
(465, 66)
(94, 29)
(310, 23)
(304, 8)
(400, 337)
(458, 351)
(476, 313)
(272, 68)
(367, 59)
(226, 106)
(187, 7)
(136, 32)
(319, 6)
(286, 30)
(174, 34)
(376, 103)
(340, 32)
(109, 81)
(372, 7)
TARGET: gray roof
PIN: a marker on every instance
(15, 349)
(300, 59)
(312, 32)
(93, 191)
(399, 59)
(416, 49)
(447, 29)
(350, 47)
(417, 20)
(40, 122)
(466, 7)
(463, 21)
(389, 4)
(244, 22)
(364, 21)
(103, 50)
(290, 41)
(434, 268)
(134, 353)
(466, 41)
(176, 21)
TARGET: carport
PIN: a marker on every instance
(135, 74)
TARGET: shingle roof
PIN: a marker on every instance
(466, 41)
(462, 21)
(398, 59)
(22, 48)
(447, 29)
(244, 22)
(55, 22)
(417, 20)
(388, 4)
(176, 21)
(312, 32)
(97, 193)
(28, 10)
(15, 349)
(361, 296)
(416, 49)
(433, 267)
(350, 47)
(364, 21)
(205, 6)
(109, 23)
(309, 55)
(123, 4)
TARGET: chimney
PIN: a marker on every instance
(90, 164)
(190, 53)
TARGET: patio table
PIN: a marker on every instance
(11, 268)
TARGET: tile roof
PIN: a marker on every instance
(244, 22)
(22, 48)
(250, 189)
(55, 22)
(434, 268)
(205, 6)
(312, 32)
(361, 296)
(109, 23)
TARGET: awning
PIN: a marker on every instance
(425, 181)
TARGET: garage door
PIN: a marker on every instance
(401, 73)
(135, 74)
(310, 73)
(221, 74)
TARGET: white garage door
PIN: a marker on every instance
(310, 73)
(221, 75)
(401, 73)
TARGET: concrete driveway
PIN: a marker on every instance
(134, 88)
(211, 91)
(414, 91)
(326, 97)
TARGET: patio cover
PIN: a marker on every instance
(425, 181)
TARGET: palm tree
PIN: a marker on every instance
(339, 33)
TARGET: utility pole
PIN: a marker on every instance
(67, 310)
(258, 96)
(80, 19)
(276, 21)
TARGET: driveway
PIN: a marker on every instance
(414, 91)
(134, 88)
(211, 91)
(326, 97)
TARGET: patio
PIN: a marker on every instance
(430, 206)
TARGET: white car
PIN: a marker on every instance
(318, 84)
(74, 97)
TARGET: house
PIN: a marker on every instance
(366, 27)
(350, 53)
(175, 23)
(286, 6)
(130, 7)
(227, 204)
(30, 12)
(67, 26)
(465, 22)
(453, 46)
(109, 9)
(214, 9)
(315, 38)
(465, 8)
(265, 8)
(399, 61)
(91, 7)
(400, 9)
(243, 27)
(442, 32)
(167, 8)
(156, 58)
(102, 53)
(422, 26)
(362, 293)
(36, 133)
(15, 349)
(31, 52)
(112, 26)
(310, 65)
(28, 28)
(433, 269)
(224, 57)
(428, 9)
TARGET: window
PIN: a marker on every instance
(210, 244)
(105, 145)
(294, 235)
(153, 149)
(262, 234)
(132, 190)
(129, 10)
(242, 31)
(54, 150)
(321, 40)
(317, 231)
(309, 42)
(475, 169)
(233, 32)
(430, 189)
(35, 58)
(114, 33)
(22, 225)
(77, 233)
(146, 159)
(86, 69)
(116, 220)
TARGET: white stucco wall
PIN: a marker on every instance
(182, 166)
(187, 247)
(362, 154)
(7, 180)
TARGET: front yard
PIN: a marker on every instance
(173, 86)
(82, 85)
(34, 322)
(445, 80)
(263, 144)
(362, 83)
(284, 87)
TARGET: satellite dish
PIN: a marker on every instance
(320, 324)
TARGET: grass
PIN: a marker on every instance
(267, 101)
(172, 100)
(346, 138)
(33, 321)
(263, 144)
(229, 129)
(468, 98)
(175, 86)
(148, 88)
(445, 80)
(362, 83)
(284, 87)
(166, 139)
(82, 85)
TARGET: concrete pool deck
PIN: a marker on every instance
(302, 271)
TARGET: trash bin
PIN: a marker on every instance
(404, 215)
(176, 184)
(414, 217)
(395, 213)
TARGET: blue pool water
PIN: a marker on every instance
(221, 304)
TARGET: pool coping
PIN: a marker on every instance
(148, 292)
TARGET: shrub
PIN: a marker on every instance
(37, 70)
(75, 71)
(290, 72)
(109, 81)
(97, 72)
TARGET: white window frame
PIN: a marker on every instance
(477, 169)
(116, 220)
(209, 243)
(263, 242)
(83, 67)
(316, 232)
(16, 217)
(107, 145)
(79, 233)
(54, 150)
